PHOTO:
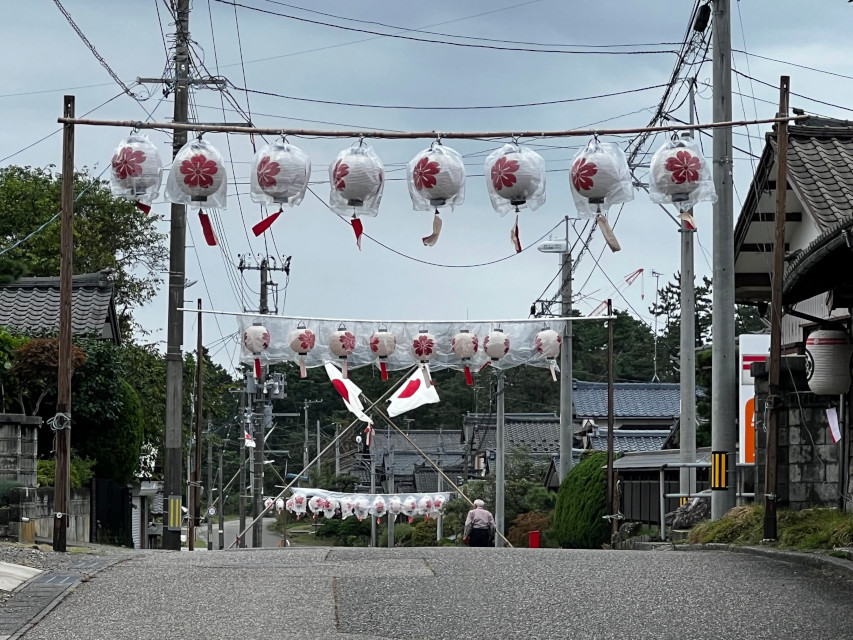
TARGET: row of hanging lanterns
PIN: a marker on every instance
(515, 179)
(383, 343)
(362, 506)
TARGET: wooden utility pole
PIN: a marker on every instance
(62, 420)
(195, 494)
(612, 501)
(774, 398)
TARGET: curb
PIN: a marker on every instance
(821, 562)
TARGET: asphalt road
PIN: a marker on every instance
(269, 540)
(453, 593)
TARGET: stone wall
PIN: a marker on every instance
(37, 506)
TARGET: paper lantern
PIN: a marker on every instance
(383, 344)
(280, 174)
(680, 175)
(300, 504)
(347, 505)
(289, 504)
(496, 345)
(197, 177)
(436, 178)
(279, 505)
(425, 506)
(828, 354)
(600, 178)
(437, 504)
(465, 345)
(315, 504)
(395, 506)
(342, 344)
(548, 344)
(423, 346)
(357, 179)
(330, 505)
(515, 178)
(379, 508)
(256, 339)
(136, 171)
(410, 507)
(362, 508)
(302, 341)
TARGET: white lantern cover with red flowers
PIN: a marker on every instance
(342, 344)
(423, 346)
(302, 341)
(136, 171)
(347, 504)
(300, 503)
(425, 506)
(256, 340)
(465, 345)
(600, 178)
(395, 506)
(383, 343)
(515, 178)
(437, 505)
(315, 504)
(680, 175)
(362, 508)
(496, 346)
(410, 507)
(280, 174)
(828, 353)
(330, 505)
(436, 178)
(548, 343)
(357, 179)
(379, 507)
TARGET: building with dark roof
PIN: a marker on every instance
(636, 405)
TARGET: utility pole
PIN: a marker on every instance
(244, 422)
(656, 275)
(499, 462)
(373, 542)
(391, 517)
(195, 496)
(305, 459)
(177, 266)
(566, 374)
(62, 420)
(209, 489)
(319, 449)
(439, 521)
(337, 452)
(612, 499)
(221, 501)
(723, 373)
(774, 391)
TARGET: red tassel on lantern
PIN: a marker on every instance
(383, 369)
(266, 223)
(144, 208)
(207, 228)
(303, 373)
(358, 228)
(257, 368)
(469, 379)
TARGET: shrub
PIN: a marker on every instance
(402, 535)
(82, 470)
(581, 505)
(346, 533)
(741, 525)
(524, 524)
(424, 532)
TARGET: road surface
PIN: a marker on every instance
(453, 593)
(270, 539)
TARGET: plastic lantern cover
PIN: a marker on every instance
(136, 171)
(395, 506)
(342, 344)
(383, 344)
(600, 178)
(423, 346)
(279, 505)
(436, 178)
(315, 504)
(357, 179)
(329, 507)
(256, 339)
(437, 504)
(280, 174)
(424, 506)
(362, 507)
(302, 341)
(465, 345)
(379, 507)
(410, 507)
(347, 505)
(680, 175)
(300, 503)
(515, 178)
(548, 343)
(289, 504)
(197, 176)
(496, 344)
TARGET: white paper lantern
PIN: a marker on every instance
(315, 504)
(197, 176)
(362, 507)
(548, 344)
(357, 179)
(828, 354)
(515, 178)
(600, 178)
(379, 508)
(279, 505)
(410, 507)
(395, 506)
(136, 171)
(423, 346)
(436, 178)
(330, 505)
(437, 504)
(425, 506)
(280, 174)
(300, 503)
(383, 344)
(342, 344)
(256, 339)
(680, 175)
(496, 344)
(347, 505)
(465, 345)
(302, 341)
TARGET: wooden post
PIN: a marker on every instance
(612, 503)
(62, 420)
(774, 398)
(195, 493)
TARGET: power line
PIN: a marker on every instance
(793, 64)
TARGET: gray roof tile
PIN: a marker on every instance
(629, 441)
(630, 399)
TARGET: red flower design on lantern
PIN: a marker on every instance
(684, 167)
(267, 170)
(199, 171)
(503, 173)
(424, 173)
(340, 172)
(306, 340)
(423, 346)
(476, 342)
(582, 172)
(127, 163)
(348, 341)
(374, 344)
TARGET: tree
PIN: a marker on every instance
(109, 233)
(582, 504)
(35, 370)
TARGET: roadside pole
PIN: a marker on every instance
(499, 461)
(209, 490)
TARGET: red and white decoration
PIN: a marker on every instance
(680, 175)
(379, 508)
(342, 344)
(279, 176)
(425, 506)
(350, 393)
(548, 343)
(362, 507)
(600, 178)
(383, 344)
(418, 390)
(410, 507)
(496, 346)
(327, 503)
(357, 179)
(423, 346)
(465, 345)
(395, 506)
(302, 341)
(515, 178)
(300, 503)
(256, 339)
(136, 171)
(437, 504)
(828, 359)
(347, 506)
(436, 178)
(330, 505)
(197, 178)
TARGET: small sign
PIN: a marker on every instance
(211, 511)
(175, 513)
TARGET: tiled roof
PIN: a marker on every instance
(630, 399)
(629, 440)
(32, 304)
(656, 459)
(539, 433)
(426, 478)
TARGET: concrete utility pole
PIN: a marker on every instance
(391, 517)
(566, 374)
(656, 275)
(221, 502)
(177, 265)
(209, 489)
(319, 448)
(612, 497)
(244, 422)
(337, 452)
(499, 461)
(305, 456)
(723, 374)
(195, 495)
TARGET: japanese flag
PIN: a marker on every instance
(349, 392)
(417, 390)
(250, 440)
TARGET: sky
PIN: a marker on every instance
(401, 279)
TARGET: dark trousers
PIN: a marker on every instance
(479, 538)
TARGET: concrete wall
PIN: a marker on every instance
(37, 505)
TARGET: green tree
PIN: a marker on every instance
(581, 505)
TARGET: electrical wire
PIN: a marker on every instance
(793, 64)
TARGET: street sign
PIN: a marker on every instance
(554, 246)
(211, 511)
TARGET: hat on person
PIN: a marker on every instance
(479, 503)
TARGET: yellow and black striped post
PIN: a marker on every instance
(718, 470)
(174, 513)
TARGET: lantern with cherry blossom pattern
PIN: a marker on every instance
(342, 344)
(362, 508)
(347, 505)
(357, 179)
(383, 344)
(423, 346)
(436, 178)
(315, 504)
(395, 506)
(300, 504)
(515, 177)
(496, 345)
(437, 505)
(680, 175)
(548, 344)
(280, 174)
(465, 345)
(410, 507)
(302, 341)
(330, 505)
(425, 506)
(256, 339)
(136, 171)
(379, 507)
(600, 178)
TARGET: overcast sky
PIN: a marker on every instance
(330, 277)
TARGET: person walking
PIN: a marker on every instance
(479, 525)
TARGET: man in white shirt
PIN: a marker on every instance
(479, 525)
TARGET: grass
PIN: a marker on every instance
(809, 529)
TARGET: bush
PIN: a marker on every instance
(582, 504)
(402, 535)
(741, 525)
(524, 524)
(82, 470)
(424, 533)
(345, 533)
